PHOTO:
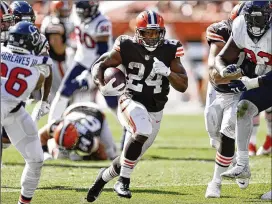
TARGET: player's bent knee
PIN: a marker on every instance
(211, 121)
(144, 128)
(246, 108)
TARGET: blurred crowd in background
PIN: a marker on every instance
(185, 20)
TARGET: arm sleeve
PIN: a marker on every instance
(180, 50)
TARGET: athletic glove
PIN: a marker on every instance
(41, 108)
(160, 68)
(109, 90)
(230, 70)
(243, 84)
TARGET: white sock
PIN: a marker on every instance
(242, 158)
(109, 174)
(221, 165)
(126, 167)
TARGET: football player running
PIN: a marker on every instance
(151, 63)
(21, 73)
(222, 102)
(251, 33)
(93, 32)
(82, 130)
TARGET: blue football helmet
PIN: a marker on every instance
(24, 38)
(87, 9)
(258, 16)
(22, 11)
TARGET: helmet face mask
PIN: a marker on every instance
(150, 37)
(258, 17)
(6, 16)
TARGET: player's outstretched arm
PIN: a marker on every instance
(178, 77)
(109, 59)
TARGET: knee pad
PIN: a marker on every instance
(141, 122)
(112, 101)
(246, 108)
(212, 120)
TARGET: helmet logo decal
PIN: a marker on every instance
(35, 35)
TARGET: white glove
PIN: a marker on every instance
(82, 79)
(230, 70)
(41, 108)
(250, 83)
(109, 90)
(160, 68)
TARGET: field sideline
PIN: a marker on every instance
(176, 169)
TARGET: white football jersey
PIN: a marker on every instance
(86, 34)
(19, 75)
(259, 52)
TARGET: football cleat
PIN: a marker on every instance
(47, 156)
(213, 190)
(267, 147)
(252, 149)
(239, 171)
(267, 196)
(242, 183)
(121, 187)
(263, 151)
(97, 187)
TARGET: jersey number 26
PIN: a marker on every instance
(15, 85)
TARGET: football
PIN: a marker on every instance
(113, 72)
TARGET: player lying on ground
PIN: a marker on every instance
(83, 131)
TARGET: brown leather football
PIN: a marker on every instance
(113, 72)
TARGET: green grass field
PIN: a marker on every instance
(176, 169)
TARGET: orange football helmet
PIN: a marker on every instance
(61, 8)
(66, 134)
(150, 30)
(236, 10)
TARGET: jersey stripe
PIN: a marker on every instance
(179, 52)
(214, 36)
